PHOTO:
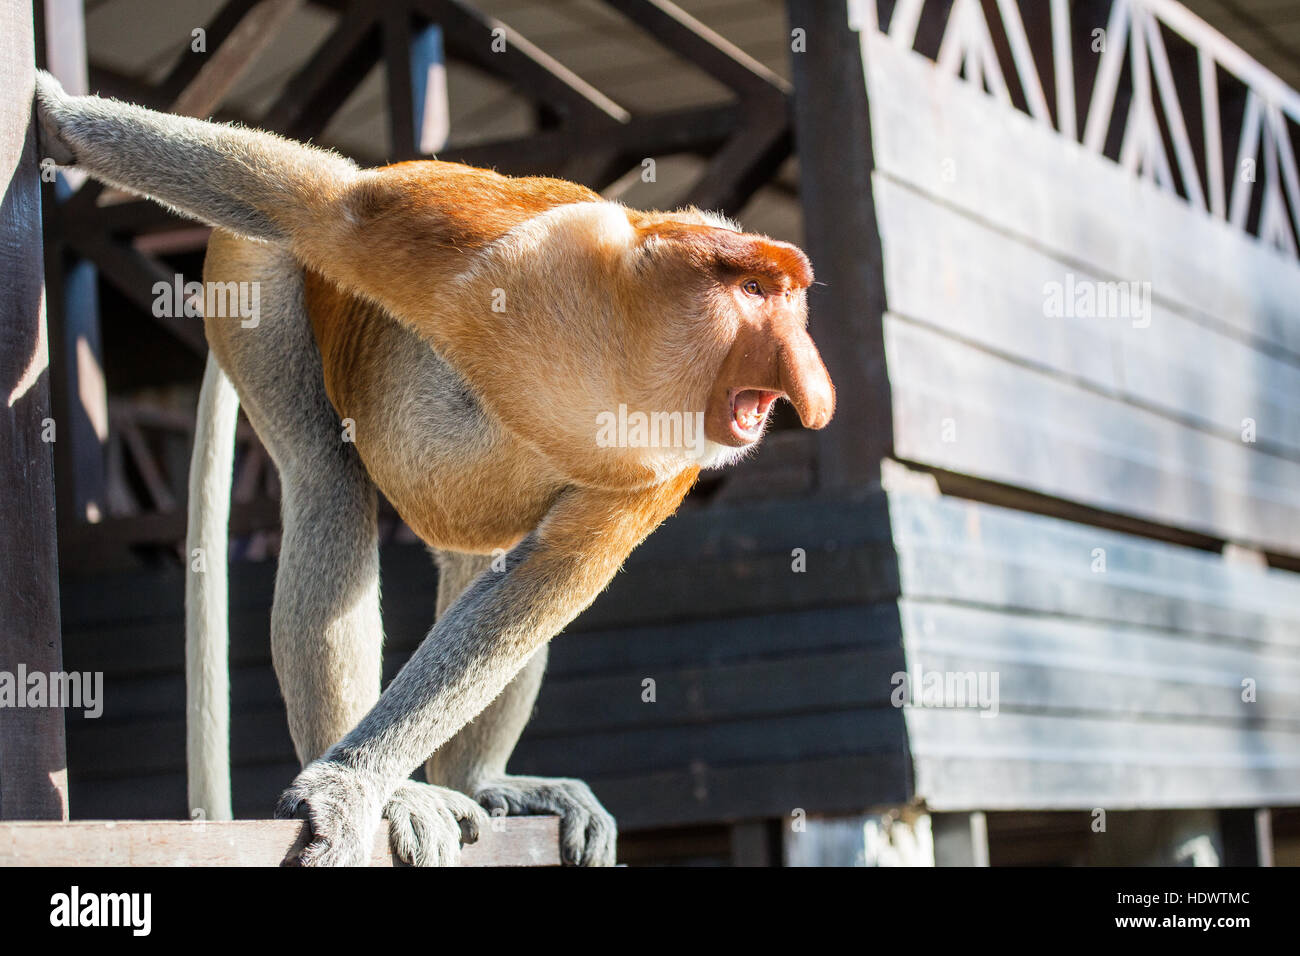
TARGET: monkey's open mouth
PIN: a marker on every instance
(749, 408)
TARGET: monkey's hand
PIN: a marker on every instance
(588, 833)
(427, 825)
(343, 807)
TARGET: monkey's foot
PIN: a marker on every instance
(342, 806)
(427, 825)
(588, 833)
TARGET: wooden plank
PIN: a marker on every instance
(320, 87)
(963, 410)
(959, 551)
(33, 777)
(520, 841)
(978, 284)
(1045, 761)
(1212, 132)
(685, 794)
(856, 678)
(237, 46)
(1033, 183)
(1047, 664)
(708, 793)
(748, 161)
(706, 689)
(102, 748)
(1119, 684)
(470, 35)
(707, 50)
(143, 653)
(769, 739)
(1236, 61)
(1063, 67)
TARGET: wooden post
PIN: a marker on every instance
(1247, 837)
(1159, 838)
(79, 398)
(840, 232)
(960, 839)
(900, 837)
(33, 769)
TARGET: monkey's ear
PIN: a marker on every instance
(728, 254)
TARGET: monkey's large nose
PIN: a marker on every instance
(766, 362)
(805, 381)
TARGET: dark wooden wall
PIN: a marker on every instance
(772, 685)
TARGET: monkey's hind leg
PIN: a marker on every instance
(474, 761)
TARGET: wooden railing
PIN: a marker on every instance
(510, 841)
(996, 54)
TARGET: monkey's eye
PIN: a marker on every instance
(752, 287)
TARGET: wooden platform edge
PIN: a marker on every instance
(512, 841)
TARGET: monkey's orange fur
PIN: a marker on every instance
(598, 306)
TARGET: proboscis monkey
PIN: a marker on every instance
(452, 337)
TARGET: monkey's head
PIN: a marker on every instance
(663, 339)
(736, 303)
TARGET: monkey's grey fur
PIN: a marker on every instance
(464, 697)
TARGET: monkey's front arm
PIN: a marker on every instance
(469, 657)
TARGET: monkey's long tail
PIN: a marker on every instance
(207, 637)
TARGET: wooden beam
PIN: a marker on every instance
(749, 160)
(693, 41)
(402, 132)
(89, 543)
(72, 288)
(847, 304)
(676, 131)
(312, 96)
(233, 53)
(469, 35)
(520, 841)
(135, 275)
(33, 767)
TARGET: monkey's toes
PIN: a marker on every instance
(588, 833)
(427, 825)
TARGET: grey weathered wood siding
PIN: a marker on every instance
(980, 207)
(1131, 673)
(1124, 665)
